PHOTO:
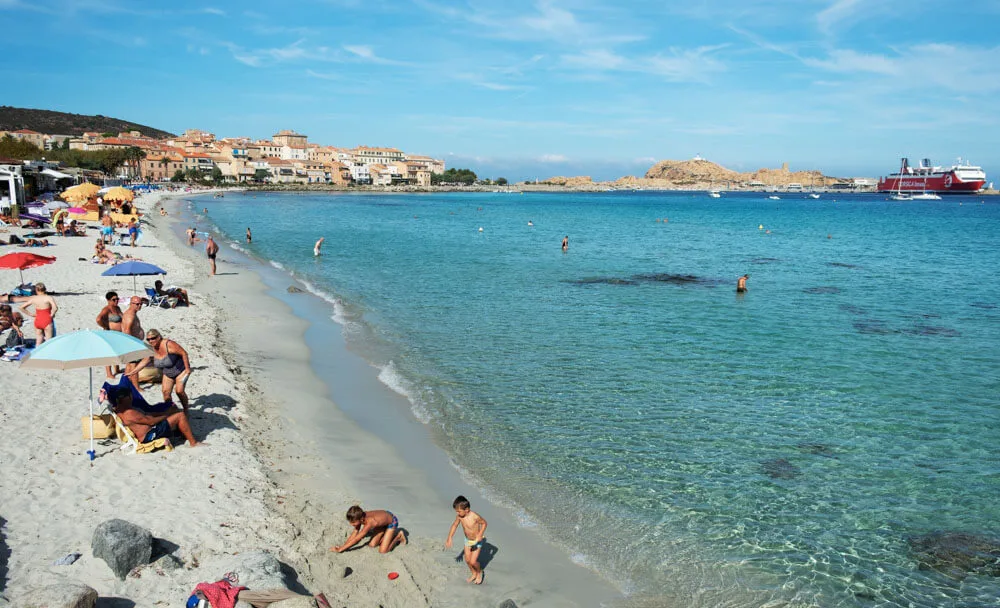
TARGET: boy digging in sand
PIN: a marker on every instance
(474, 527)
(382, 525)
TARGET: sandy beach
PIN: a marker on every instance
(267, 479)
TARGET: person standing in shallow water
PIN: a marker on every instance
(565, 243)
(741, 283)
(249, 237)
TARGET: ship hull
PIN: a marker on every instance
(939, 183)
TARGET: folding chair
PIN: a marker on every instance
(159, 301)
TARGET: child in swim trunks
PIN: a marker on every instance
(382, 525)
(474, 527)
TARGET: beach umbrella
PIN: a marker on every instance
(87, 348)
(80, 192)
(132, 269)
(119, 194)
(22, 260)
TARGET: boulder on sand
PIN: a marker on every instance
(123, 545)
(66, 595)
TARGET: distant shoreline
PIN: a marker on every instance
(518, 188)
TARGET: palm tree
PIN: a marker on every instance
(133, 156)
(164, 163)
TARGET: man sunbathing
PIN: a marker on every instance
(180, 296)
(147, 427)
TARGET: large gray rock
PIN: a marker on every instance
(68, 595)
(123, 545)
(257, 570)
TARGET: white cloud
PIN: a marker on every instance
(839, 11)
(552, 158)
(851, 62)
(322, 76)
(214, 11)
(366, 53)
(294, 52)
(932, 67)
(690, 65)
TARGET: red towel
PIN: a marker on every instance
(220, 594)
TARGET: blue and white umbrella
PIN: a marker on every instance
(87, 348)
(133, 269)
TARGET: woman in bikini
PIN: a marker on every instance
(172, 360)
(110, 318)
(45, 312)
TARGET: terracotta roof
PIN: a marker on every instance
(27, 132)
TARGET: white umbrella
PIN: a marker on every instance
(87, 348)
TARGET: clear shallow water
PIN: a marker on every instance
(697, 446)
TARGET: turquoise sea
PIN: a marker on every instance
(787, 446)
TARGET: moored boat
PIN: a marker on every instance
(960, 178)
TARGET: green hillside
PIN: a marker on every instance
(62, 123)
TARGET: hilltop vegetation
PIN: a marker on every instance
(62, 123)
(104, 160)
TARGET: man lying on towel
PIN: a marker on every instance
(149, 427)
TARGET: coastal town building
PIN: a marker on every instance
(369, 156)
(160, 167)
(198, 161)
(289, 138)
(360, 173)
(27, 135)
(288, 157)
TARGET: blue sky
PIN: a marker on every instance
(535, 88)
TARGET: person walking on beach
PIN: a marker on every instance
(211, 249)
(319, 244)
(474, 527)
(565, 243)
(190, 233)
(249, 236)
(382, 525)
(741, 283)
(133, 231)
(45, 313)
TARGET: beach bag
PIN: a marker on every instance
(104, 426)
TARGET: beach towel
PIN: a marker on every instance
(220, 594)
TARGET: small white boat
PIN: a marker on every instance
(715, 194)
(926, 196)
(813, 195)
(774, 197)
(901, 197)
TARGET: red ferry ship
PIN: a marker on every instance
(961, 178)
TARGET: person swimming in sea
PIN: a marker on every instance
(565, 243)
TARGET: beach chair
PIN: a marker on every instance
(157, 300)
(131, 443)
